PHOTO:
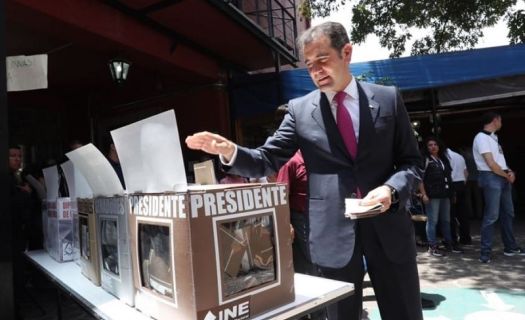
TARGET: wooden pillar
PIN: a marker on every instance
(6, 235)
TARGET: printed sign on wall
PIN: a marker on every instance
(26, 72)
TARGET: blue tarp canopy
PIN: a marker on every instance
(413, 73)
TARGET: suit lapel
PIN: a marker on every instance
(373, 106)
(324, 117)
(368, 111)
(316, 113)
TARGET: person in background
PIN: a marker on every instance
(474, 198)
(34, 177)
(495, 179)
(113, 159)
(436, 191)
(63, 188)
(75, 144)
(20, 197)
(459, 218)
(356, 141)
(293, 173)
(232, 179)
(20, 207)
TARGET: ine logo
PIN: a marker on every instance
(210, 316)
(236, 312)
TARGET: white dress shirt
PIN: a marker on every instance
(351, 103)
(458, 165)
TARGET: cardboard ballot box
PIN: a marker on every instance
(88, 240)
(76, 232)
(78, 188)
(202, 252)
(60, 230)
(209, 251)
(45, 238)
(85, 233)
(51, 182)
(58, 221)
(104, 225)
(114, 247)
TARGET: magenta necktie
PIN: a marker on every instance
(345, 125)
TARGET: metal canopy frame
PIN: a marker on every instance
(279, 46)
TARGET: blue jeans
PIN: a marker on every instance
(438, 210)
(497, 192)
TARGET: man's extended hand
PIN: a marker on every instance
(381, 194)
(211, 143)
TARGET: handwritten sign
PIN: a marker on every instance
(26, 72)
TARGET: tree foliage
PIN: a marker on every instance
(448, 24)
(516, 24)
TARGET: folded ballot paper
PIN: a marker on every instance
(354, 209)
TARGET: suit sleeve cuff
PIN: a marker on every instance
(232, 160)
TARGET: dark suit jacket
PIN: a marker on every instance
(387, 154)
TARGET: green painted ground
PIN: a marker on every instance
(472, 304)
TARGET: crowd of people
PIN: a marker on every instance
(448, 199)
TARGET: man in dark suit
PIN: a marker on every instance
(356, 140)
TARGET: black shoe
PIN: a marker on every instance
(420, 243)
(427, 304)
(484, 258)
(465, 242)
(453, 248)
(434, 251)
(457, 249)
(514, 252)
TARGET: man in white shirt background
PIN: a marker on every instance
(495, 179)
(459, 218)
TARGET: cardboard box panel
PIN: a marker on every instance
(60, 230)
(116, 273)
(78, 188)
(254, 264)
(89, 256)
(155, 258)
(229, 249)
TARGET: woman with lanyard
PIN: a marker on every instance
(436, 191)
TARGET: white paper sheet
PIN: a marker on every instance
(51, 179)
(97, 171)
(69, 173)
(150, 154)
(77, 184)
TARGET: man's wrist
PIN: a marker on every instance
(232, 156)
(394, 195)
(231, 150)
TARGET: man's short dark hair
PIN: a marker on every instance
(15, 146)
(489, 117)
(334, 31)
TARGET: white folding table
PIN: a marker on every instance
(311, 293)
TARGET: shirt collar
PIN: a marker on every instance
(492, 134)
(351, 90)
